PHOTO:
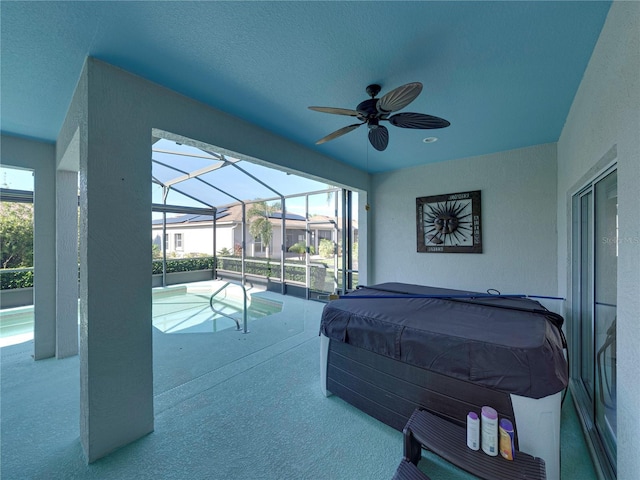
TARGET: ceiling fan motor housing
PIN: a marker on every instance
(368, 109)
(373, 123)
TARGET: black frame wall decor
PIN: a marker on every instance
(449, 223)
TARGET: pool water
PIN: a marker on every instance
(191, 312)
(176, 309)
(16, 325)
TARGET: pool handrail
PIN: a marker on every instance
(244, 305)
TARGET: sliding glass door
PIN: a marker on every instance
(594, 280)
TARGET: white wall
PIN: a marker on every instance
(518, 221)
(605, 117)
(199, 238)
(194, 239)
(225, 237)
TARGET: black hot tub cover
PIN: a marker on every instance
(508, 344)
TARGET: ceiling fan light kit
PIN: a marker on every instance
(376, 110)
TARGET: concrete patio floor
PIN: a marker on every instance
(227, 405)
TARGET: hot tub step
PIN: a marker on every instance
(408, 471)
(448, 440)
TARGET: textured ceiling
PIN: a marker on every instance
(503, 73)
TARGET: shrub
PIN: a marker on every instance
(9, 280)
(301, 248)
(326, 248)
(184, 264)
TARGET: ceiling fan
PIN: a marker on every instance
(375, 110)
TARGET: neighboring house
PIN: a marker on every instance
(192, 234)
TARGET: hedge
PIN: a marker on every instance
(272, 270)
(9, 280)
(24, 279)
(183, 264)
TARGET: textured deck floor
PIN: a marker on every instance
(227, 406)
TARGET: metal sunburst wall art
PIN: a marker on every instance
(449, 223)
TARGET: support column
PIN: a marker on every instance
(39, 157)
(116, 365)
(44, 264)
(66, 263)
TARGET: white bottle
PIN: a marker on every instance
(489, 431)
(473, 431)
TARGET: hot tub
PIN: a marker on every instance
(389, 348)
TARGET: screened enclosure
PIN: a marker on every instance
(218, 215)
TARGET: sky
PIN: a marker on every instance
(231, 180)
(228, 179)
(16, 179)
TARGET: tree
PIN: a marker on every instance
(16, 232)
(260, 226)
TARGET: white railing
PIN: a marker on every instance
(244, 305)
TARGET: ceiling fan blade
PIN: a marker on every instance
(417, 120)
(379, 137)
(336, 111)
(338, 133)
(399, 98)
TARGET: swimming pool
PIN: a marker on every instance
(187, 308)
(176, 309)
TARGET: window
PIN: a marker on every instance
(293, 237)
(177, 241)
(328, 234)
(593, 319)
